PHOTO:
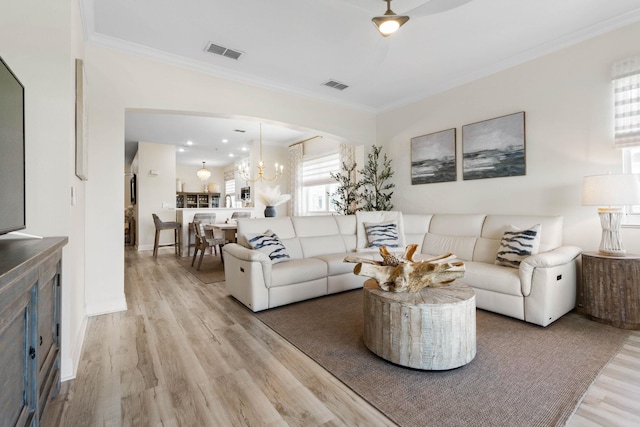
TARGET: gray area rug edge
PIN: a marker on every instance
(522, 373)
(211, 270)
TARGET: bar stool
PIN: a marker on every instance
(205, 218)
(168, 225)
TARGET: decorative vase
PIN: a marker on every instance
(270, 211)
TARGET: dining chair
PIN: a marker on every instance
(166, 225)
(237, 215)
(205, 240)
(206, 218)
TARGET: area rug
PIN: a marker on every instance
(211, 270)
(522, 375)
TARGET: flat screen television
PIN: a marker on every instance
(12, 170)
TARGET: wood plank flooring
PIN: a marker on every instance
(187, 354)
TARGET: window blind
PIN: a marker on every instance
(230, 187)
(316, 170)
(626, 94)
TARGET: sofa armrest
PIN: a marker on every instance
(554, 258)
(240, 253)
(245, 254)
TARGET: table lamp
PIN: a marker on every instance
(614, 191)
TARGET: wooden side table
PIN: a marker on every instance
(611, 289)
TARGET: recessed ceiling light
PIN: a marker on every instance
(189, 142)
(244, 148)
(230, 154)
(225, 140)
(181, 150)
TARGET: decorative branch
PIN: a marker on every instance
(401, 274)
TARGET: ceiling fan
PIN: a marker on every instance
(390, 22)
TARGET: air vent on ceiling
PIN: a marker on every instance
(239, 130)
(336, 85)
(223, 51)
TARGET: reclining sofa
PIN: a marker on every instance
(311, 249)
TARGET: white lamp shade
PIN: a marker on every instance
(611, 190)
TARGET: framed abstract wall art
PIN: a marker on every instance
(494, 148)
(433, 157)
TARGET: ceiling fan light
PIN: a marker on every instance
(389, 24)
(389, 27)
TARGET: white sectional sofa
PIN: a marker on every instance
(539, 291)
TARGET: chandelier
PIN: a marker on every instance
(245, 172)
(203, 173)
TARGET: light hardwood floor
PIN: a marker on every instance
(187, 354)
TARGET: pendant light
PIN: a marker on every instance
(203, 173)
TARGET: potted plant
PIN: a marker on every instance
(376, 193)
(346, 197)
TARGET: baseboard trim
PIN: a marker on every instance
(69, 367)
(107, 307)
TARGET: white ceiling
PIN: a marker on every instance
(296, 45)
(214, 140)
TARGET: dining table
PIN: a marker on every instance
(228, 228)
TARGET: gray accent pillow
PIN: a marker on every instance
(518, 244)
(269, 243)
(382, 234)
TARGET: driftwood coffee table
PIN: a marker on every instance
(434, 329)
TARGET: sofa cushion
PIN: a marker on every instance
(268, 243)
(486, 250)
(457, 224)
(518, 244)
(315, 225)
(336, 264)
(298, 271)
(321, 245)
(491, 277)
(347, 229)
(382, 234)
(461, 246)
(415, 227)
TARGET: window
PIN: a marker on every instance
(229, 186)
(317, 183)
(626, 93)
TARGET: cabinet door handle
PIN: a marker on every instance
(40, 339)
(32, 353)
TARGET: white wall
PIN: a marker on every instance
(188, 176)
(120, 81)
(567, 100)
(156, 193)
(40, 41)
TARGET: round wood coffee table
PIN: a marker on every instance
(434, 329)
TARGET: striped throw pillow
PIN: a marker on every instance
(269, 243)
(382, 234)
(518, 244)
